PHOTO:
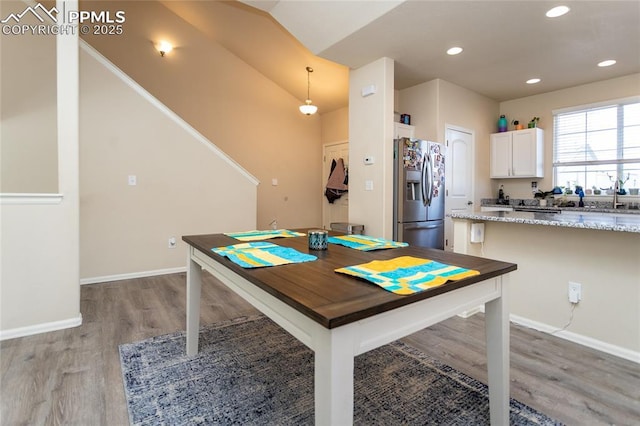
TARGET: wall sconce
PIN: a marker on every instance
(307, 108)
(164, 47)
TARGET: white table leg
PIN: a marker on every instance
(334, 359)
(194, 284)
(497, 331)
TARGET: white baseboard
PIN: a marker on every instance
(578, 338)
(589, 342)
(132, 275)
(40, 328)
(471, 312)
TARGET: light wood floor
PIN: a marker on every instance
(73, 377)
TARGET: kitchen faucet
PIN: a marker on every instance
(616, 189)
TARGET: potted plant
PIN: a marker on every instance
(618, 186)
(534, 122)
(541, 196)
(621, 190)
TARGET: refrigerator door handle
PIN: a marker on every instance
(426, 181)
(429, 226)
(423, 186)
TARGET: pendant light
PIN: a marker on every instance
(307, 108)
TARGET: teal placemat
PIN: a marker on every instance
(260, 254)
(365, 243)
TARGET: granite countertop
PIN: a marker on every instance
(569, 209)
(568, 218)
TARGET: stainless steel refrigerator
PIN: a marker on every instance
(418, 206)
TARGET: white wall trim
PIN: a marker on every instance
(27, 198)
(133, 275)
(163, 108)
(471, 312)
(40, 328)
(599, 345)
(589, 342)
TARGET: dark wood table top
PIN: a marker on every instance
(333, 299)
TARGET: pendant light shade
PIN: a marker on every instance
(308, 108)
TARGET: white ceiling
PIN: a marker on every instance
(505, 42)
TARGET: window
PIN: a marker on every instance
(595, 145)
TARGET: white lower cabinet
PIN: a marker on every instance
(517, 154)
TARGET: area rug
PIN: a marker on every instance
(249, 371)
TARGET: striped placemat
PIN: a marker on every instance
(263, 235)
(260, 254)
(365, 243)
(406, 274)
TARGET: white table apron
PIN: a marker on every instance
(336, 348)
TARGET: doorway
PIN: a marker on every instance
(338, 211)
(459, 168)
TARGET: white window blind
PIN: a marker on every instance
(595, 146)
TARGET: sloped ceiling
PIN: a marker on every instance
(259, 40)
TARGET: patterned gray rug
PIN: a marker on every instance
(251, 372)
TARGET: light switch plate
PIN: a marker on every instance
(368, 90)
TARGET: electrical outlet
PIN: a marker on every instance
(575, 292)
(172, 243)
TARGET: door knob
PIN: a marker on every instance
(469, 203)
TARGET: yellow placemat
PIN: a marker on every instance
(263, 235)
(406, 274)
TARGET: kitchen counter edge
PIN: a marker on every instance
(630, 223)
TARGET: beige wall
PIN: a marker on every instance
(242, 112)
(463, 108)
(28, 143)
(371, 134)
(183, 186)
(606, 263)
(438, 103)
(542, 106)
(335, 126)
(39, 282)
(421, 102)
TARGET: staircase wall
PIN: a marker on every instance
(245, 114)
(184, 184)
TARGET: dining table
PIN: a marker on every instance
(340, 316)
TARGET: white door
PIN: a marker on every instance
(338, 211)
(459, 177)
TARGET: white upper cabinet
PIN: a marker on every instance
(517, 154)
(401, 130)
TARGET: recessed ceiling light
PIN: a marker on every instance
(557, 11)
(607, 63)
(454, 51)
(533, 81)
